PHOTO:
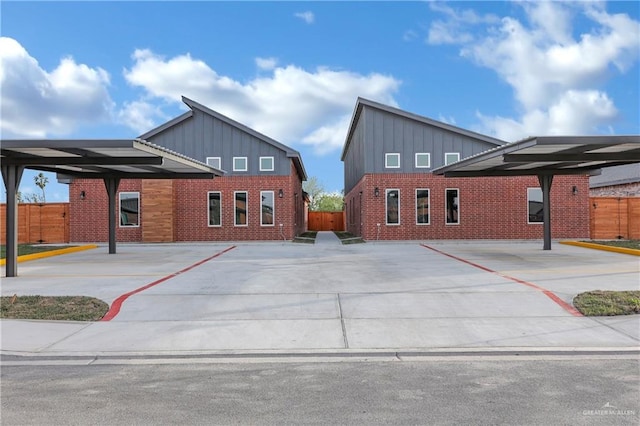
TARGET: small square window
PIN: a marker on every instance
(266, 164)
(423, 160)
(392, 160)
(239, 164)
(215, 162)
(451, 157)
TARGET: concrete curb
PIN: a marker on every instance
(51, 253)
(632, 252)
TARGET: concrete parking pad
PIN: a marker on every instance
(283, 296)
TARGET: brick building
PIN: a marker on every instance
(259, 197)
(391, 193)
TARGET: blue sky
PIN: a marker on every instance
(293, 70)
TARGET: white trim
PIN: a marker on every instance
(457, 154)
(528, 200)
(386, 160)
(428, 222)
(386, 206)
(428, 166)
(219, 160)
(273, 164)
(235, 208)
(209, 210)
(273, 213)
(120, 194)
(445, 206)
(246, 164)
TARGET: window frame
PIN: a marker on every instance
(120, 194)
(209, 208)
(428, 155)
(219, 159)
(446, 154)
(428, 222)
(446, 206)
(246, 164)
(541, 221)
(386, 206)
(387, 155)
(246, 208)
(273, 164)
(273, 211)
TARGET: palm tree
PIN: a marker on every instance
(41, 181)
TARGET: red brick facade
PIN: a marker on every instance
(489, 208)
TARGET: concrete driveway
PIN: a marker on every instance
(327, 297)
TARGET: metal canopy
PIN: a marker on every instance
(546, 156)
(106, 159)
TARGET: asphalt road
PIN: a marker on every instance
(461, 390)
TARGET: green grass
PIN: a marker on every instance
(608, 303)
(348, 237)
(630, 244)
(69, 308)
(29, 249)
(308, 237)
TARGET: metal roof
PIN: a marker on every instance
(549, 155)
(619, 175)
(103, 158)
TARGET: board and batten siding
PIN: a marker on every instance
(201, 136)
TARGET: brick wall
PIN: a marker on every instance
(625, 190)
(489, 208)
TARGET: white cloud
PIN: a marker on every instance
(289, 104)
(448, 120)
(266, 63)
(307, 16)
(140, 116)
(557, 78)
(456, 28)
(37, 103)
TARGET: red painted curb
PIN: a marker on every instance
(564, 305)
(117, 304)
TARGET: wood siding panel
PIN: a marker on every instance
(615, 218)
(157, 210)
(326, 221)
(39, 223)
(633, 213)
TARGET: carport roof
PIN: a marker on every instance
(549, 155)
(103, 158)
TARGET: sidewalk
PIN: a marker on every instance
(327, 238)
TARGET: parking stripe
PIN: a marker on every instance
(117, 304)
(564, 305)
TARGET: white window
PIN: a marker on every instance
(393, 206)
(267, 208)
(215, 162)
(534, 205)
(452, 206)
(422, 206)
(129, 209)
(451, 157)
(215, 208)
(392, 160)
(423, 160)
(239, 164)
(266, 164)
(240, 204)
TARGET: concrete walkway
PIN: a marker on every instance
(282, 297)
(327, 238)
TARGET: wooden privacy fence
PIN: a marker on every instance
(326, 221)
(39, 223)
(615, 218)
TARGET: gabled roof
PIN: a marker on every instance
(291, 153)
(361, 103)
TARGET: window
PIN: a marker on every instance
(393, 206)
(451, 157)
(266, 164)
(215, 162)
(423, 160)
(453, 213)
(392, 160)
(241, 208)
(215, 209)
(534, 205)
(267, 208)
(422, 206)
(239, 164)
(129, 209)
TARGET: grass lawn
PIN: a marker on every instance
(29, 249)
(348, 237)
(69, 308)
(608, 303)
(308, 237)
(630, 244)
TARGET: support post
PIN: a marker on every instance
(11, 175)
(112, 188)
(545, 184)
